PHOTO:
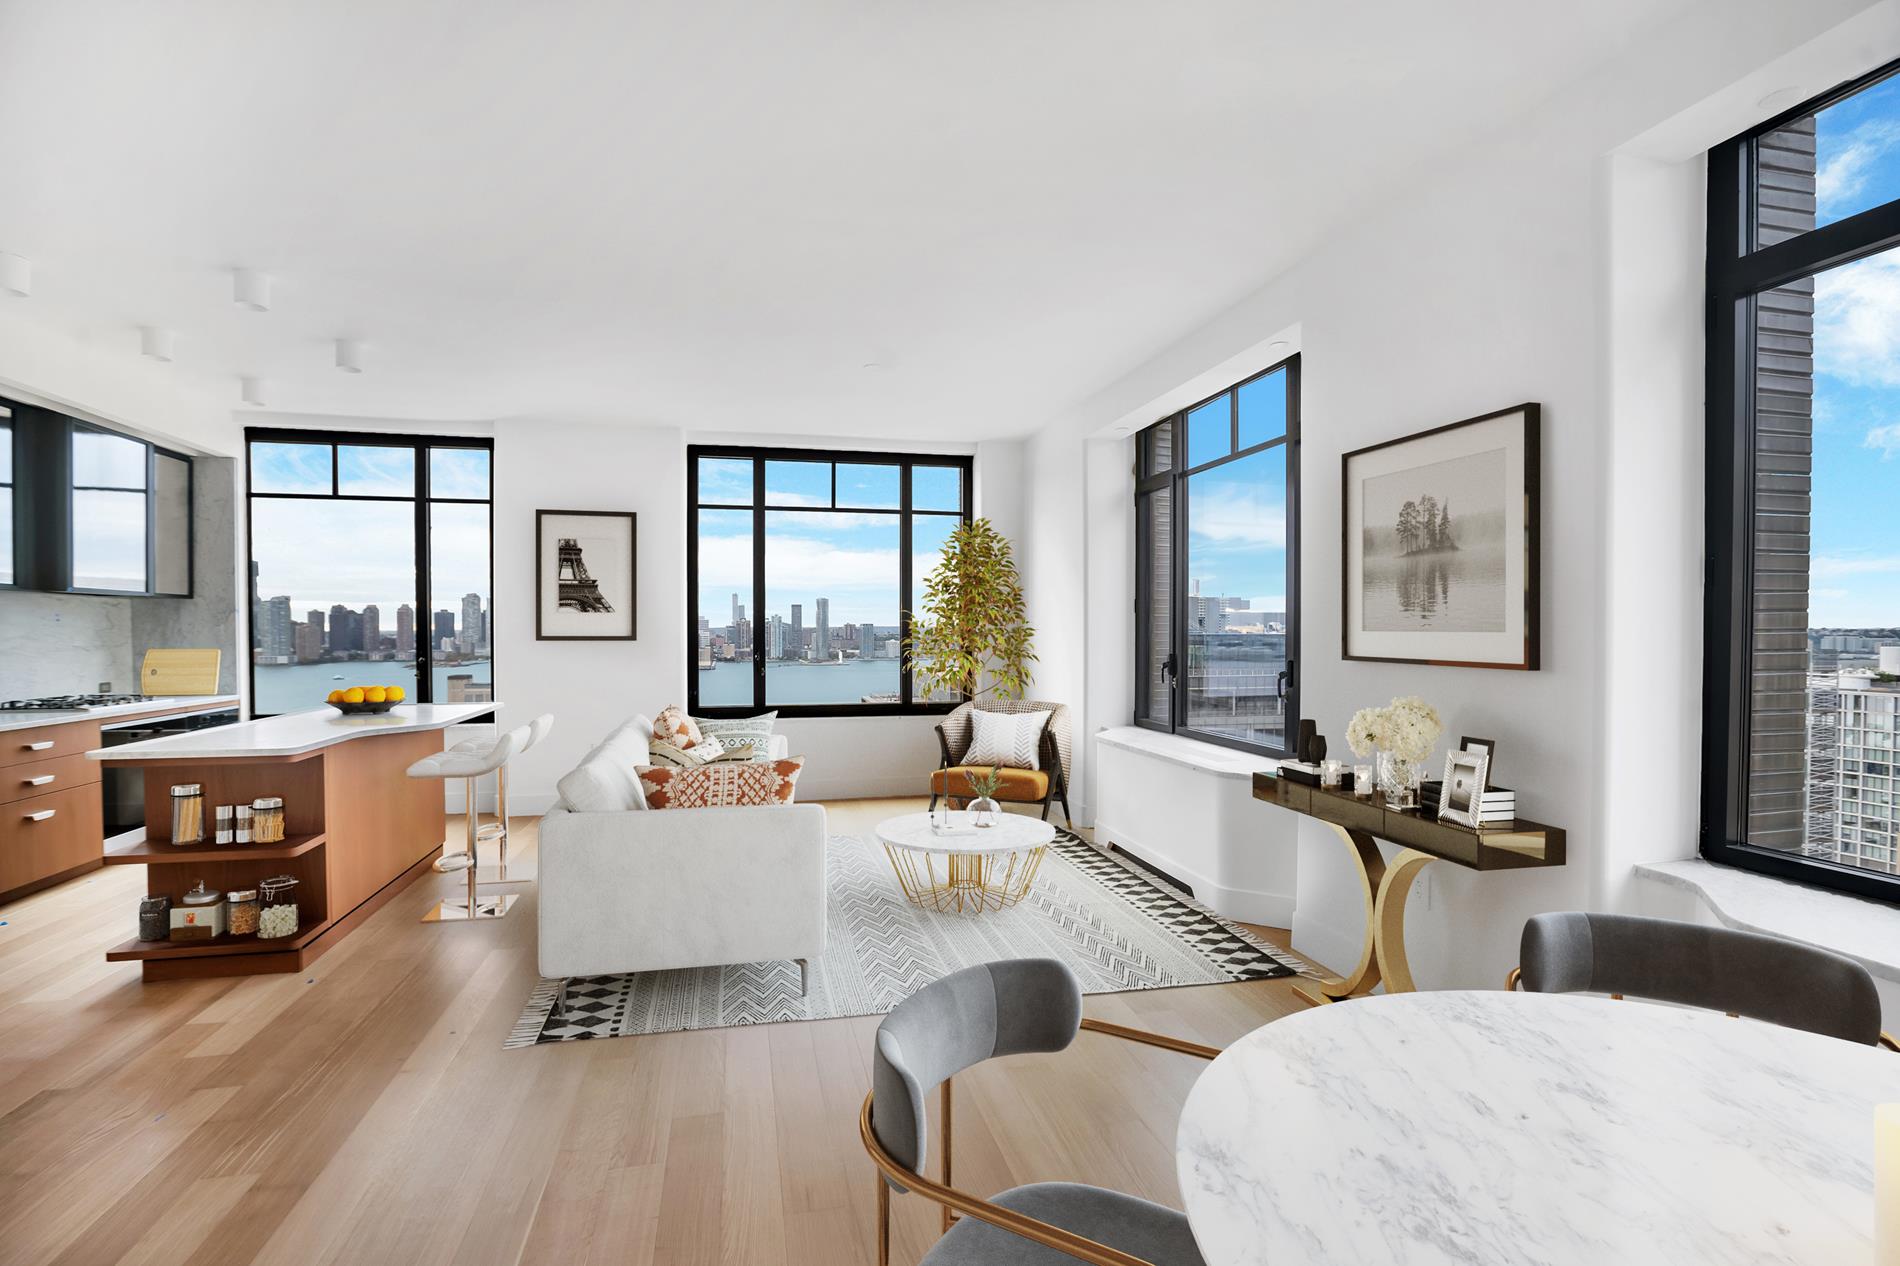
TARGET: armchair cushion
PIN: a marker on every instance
(1010, 739)
(955, 732)
(1016, 784)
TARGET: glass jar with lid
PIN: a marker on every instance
(188, 813)
(241, 911)
(277, 918)
(267, 820)
(199, 914)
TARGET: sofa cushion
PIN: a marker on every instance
(675, 727)
(664, 752)
(742, 738)
(723, 783)
(1012, 740)
(604, 781)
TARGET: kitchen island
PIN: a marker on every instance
(357, 829)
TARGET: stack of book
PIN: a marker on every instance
(1497, 807)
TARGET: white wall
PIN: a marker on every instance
(1488, 280)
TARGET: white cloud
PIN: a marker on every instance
(1885, 438)
(1843, 176)
(1229, 514)
(1827, 565)
(1857, 322)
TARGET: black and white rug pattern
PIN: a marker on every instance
(1116, 926)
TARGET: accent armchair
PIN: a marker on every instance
(1044, 785)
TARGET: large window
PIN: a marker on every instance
(804, 568)
(1802, 660)
(1215, 607)
(369, 565)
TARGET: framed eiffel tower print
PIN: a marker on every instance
(584, 575)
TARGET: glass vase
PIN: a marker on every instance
(1398, 781)
(984, 812)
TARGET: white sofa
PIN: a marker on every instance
(624, 888)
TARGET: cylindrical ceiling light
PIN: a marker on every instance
(349, 355)
(157, 343)
(251, 289)
(251, 390)
(16, 275)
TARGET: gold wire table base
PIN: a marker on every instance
(965, 883)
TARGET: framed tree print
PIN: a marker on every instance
(1440, 545)
(584, 575)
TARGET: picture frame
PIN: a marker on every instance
(1488, 746)
(586, 577)
(1440, 545)
(1466, 776)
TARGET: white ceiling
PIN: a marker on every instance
(714, 215)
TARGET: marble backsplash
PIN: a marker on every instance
(55, 644)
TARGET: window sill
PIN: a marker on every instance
(1209, 758)
(1866, 931)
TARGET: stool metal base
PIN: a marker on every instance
(487, 906)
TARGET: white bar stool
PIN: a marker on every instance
(469, 761)
(529, 735)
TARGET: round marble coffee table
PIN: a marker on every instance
(968, 868)
(1513, 1127)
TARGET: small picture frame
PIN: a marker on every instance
(1488, 746)
(585, 575)
(1465, 779)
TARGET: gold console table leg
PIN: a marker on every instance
(1382, 956)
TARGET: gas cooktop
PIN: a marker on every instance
(69, 703)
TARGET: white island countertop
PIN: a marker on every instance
(294, 733)
(33, 718)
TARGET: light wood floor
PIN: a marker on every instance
(365, 1111)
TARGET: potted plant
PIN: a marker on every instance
(984, 811)
(972, 636)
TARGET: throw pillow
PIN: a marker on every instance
(662, 752)
(1012, 740)
(675, 727)
(759, 782)
(744, 738)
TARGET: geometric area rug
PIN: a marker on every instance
(1118, 927)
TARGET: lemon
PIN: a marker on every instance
(394, 694)
(336, 696)
(353, 695)
(375, 694)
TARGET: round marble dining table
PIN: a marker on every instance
(1521, 1128)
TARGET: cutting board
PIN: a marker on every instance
(179, 672)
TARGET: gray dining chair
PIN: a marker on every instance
(1743, 973)
(1006, 1008)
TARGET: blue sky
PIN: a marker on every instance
(1855, 580)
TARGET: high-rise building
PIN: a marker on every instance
(372, 630)
(314, 620)
(444, 628)
(742, 637)
(774, 637)
(867, 641)
(405, 631)
(309, 641)
(821, 638)
(798, 623)
(1867, 791)
(471, 632)
(279, 641)
(346, 633)
(738, 610)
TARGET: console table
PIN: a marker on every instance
(1359, 820)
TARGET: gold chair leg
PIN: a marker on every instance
(883, 1221)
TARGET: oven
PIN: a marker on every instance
(123, 786)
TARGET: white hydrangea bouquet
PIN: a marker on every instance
(1404, 732)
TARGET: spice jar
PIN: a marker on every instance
(155, 918)
(241, 911)
(245, 814)
(267, 820)
(278, 918)
(188, 813)
(199, 915)
(224, 824)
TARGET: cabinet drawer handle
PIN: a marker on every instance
(40, 746)
(41, 781)
(41, 816)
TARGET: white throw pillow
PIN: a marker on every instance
(1012, 740)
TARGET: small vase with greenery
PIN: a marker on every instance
(984, 811)
(972, 636)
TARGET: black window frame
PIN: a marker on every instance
(1175, 481)
(1739, 271)
(907, 705)
(422, 497)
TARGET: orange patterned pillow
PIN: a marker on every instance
(752, 782)
(675, 727)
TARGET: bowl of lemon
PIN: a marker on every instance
(359, 699)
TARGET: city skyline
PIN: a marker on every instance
(342, 630)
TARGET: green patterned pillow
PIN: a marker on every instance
(742, 738)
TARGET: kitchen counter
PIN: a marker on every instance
(30, 719)
(294, 733)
